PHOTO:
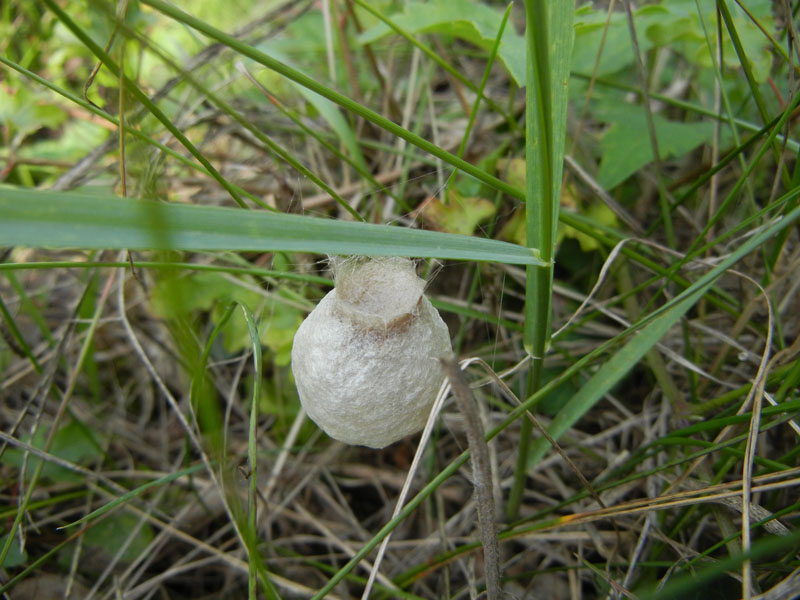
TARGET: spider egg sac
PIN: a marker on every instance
(366, 359)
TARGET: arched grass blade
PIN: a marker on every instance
(74, 220)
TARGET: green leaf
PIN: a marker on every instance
(626, 144)
(474, 23)
(172, 297)
(27, 113)
(72, 443)
(678, 26)
(591, 31)
(70, 145)
(214, 292)
(16, 556)
(277, 326)
(113, 531)
(78, 220)
(674, 24)
(460, 215)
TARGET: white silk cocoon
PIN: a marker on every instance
(366, 359)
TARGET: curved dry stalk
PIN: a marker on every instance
(482, 476)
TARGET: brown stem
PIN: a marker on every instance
(481, 474)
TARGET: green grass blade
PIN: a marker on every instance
(548, 31)
(330, 112)
(455, 73)
(19, 339)
(696, 249)
(127, 127)
(755, 90)
(167, 265)
(741, 53)
(341, 129)
(791, 144)
(37, 472)
(255, 564)
(612, 372)
(333, 95)
(658, 323)
(683, 584)
(484, 80)
(133, 494)
(74, 220)
(271, 146)
(549, 42)
(142, 97)
(33, 566)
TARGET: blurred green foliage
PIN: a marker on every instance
(213, 292)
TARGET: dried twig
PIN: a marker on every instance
(481, 473)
